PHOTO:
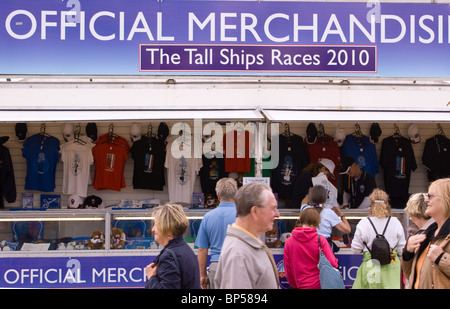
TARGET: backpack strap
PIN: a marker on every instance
(385, 227)
(376, 232)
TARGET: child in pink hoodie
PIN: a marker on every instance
(301, 252)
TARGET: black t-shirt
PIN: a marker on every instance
(301, 188)
(149, 155)
(359, 189)
(398, 160)
(212, 170)
(436, 157)
(293, 157)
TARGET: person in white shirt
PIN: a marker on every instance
(370, 274)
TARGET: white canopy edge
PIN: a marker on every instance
(129, 115)
(281, 115)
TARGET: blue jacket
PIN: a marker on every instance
(168, 275)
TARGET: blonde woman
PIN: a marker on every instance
(416, 208)
(372, 275)
(426, 259)
(176, 266)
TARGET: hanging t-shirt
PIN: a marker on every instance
(325, 148)
(7, 180)
(181, 173)
(77, 159)
(293, 157)
(397, 159)
(110, 158)
(42, 155)
(436, 157)
(363, 151)
(239, 159)
(212, 170)
(149, 155)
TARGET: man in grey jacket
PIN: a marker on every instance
(245, 261)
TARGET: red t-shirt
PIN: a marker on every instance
(325, 148)
(109, 159)
(239, 160)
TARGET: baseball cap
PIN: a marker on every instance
(311, 133)
(21, 131)
(339, 136)
(135, 132)
(68, 132)
(413, 133)
(346, 163)
(92, 201)
(375, 132)
(91, 131)
(74, 201)
(163, 131)
(329, 165)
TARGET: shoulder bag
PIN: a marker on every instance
(330, 277)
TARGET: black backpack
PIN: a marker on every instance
(381, 251)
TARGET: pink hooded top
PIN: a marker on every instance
(301, 256)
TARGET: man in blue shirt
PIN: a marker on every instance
(213, 229)
(358, 184)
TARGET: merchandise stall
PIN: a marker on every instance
(71, 95)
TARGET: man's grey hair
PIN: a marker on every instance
(226, 188)
(252, 194)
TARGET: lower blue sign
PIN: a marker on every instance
(109, 272)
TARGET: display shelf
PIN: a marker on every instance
(76, 226)
(112, 268)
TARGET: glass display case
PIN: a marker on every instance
(50, 230)
(59, 248)
(127, 229)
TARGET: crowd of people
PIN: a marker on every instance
(239, 259)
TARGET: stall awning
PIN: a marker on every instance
(72, 115)
(251, 114)
(356, 115)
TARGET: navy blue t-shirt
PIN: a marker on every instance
(42, 155)
(363, 151)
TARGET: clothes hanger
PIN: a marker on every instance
(358, 134)
(321, 134)
(42, 131)
(440, 130)
(44, 135)
(111, 134)
(396, 131)
(76, 135)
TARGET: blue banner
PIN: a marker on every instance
(148, 37)
(75, 272)
(111, 271)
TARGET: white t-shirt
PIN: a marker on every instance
(321, 179)
(395, 234)
(182, 170)
(77, 160)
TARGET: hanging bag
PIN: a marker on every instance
(330, 277)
